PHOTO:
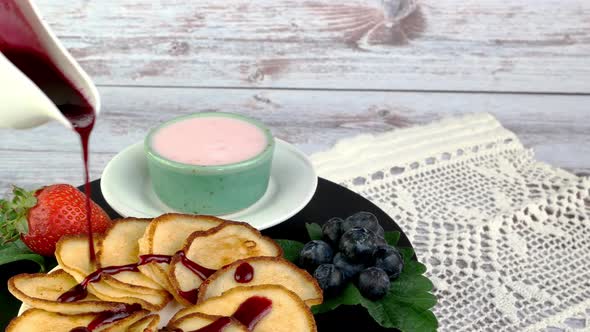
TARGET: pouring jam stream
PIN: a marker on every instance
(21, 46)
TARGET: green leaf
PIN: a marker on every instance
(291, 249)
(407, 310)
(13, 215)
(17, 251)
(349, 296)
(407, 254)
(22, 226)
(407, 285)
(30, 201)
(392, 238)
(314, 231)
(412, 267)
(407, 304)
(390, 312)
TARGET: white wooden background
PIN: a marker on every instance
(317, 71)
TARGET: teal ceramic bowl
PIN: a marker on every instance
(212, 190)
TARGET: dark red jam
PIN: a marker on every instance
(21, 46)
(75, 293)
(251, 311)
(79, 291)
(146, 259)
(191, 296)
(108, 317)
(244, 273)
(197, 269)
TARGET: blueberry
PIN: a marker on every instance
(390, 260)
(315, 253)
(329, 278)
(349, 270)
(332, 230)
(363, 219)
(358, 245)
(373, 283)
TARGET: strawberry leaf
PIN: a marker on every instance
(22, 226)
(13, 215)
(18, 251)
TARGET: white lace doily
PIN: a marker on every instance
(506, 238)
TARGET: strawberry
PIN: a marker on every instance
(40, 218)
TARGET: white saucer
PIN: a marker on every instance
(127, 187)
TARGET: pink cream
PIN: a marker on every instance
(209, 141)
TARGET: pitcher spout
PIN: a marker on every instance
(39, 79)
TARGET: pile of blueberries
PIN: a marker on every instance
(352, 249)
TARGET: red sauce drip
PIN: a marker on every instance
(197, 269)
(117, 269)
(80, 329)
(216, 326)
(146, 259)
(244, 273)
(82, 119)
(249, 313)
(79, 291)
(253, 310)
(19, 44)
(201, 271)
(75, 293)
(190, 296)
(108, 317)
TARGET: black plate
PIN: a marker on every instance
(330, 200)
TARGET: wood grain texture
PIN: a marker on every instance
(442, 45)
(557, 127)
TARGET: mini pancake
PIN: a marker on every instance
(72, 255)
(71, 252)
(165, 235)
(216, 248)
(106, 292)
(147, 323)
(119, 246)
(42, 290)
(40, 320)
(197, 321)
(288, 313)
(34, 320)
(267, 270)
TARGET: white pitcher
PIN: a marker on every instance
(22, 103)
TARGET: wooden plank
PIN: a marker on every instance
(557, 127)
(443, 45)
